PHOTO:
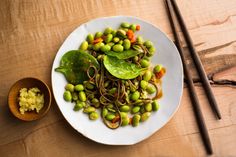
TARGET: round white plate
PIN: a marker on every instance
(166, 54)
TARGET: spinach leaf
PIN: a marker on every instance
(121, 69)
(74, 65)
(123, 55)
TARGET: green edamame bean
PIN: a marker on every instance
(125, 29)
(139, 102)
(124, 108)
(123, 115)
(84, 45)
(90, 38)
(121, 32)
(133, 27)
(151, 89)
(157, 68)
(110, 116)
(89, 109)
(95, 102)
(135, 59)
(74, 96)
(82, 102)
(135, 120)
(111, 44)
(148, 44)
(155, 105)
(110, 105)
(67, 96)
(118, 48)
(152, 49)
(121, 42)
(97, 46)
(93, 116)
(91, 96)
(125, 121)
(144, 63)
(89, 86)
(145, 116)
(113, 90)
(101, 44)
(108, 30)
(133, 88)
(147, 75)
(150, 53)
(147, 58)
(79, 105)
(126, 44)
(142, 110)
(79, 87)
(148, 107)
(143, 84)
(135, 95)
(70, 87)
(108, 38)
(82, 96)
(139, 40)
(100, 57)
(105, 48)
(116, 40)
(135, 109)
(125, 25)
(90, 46)
(98, 35)
(104, 112)
(113, 33)
(106, 84)
(85, 82)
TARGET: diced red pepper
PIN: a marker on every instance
(98, 40)
(133, 40)
(104, 37)
(116, 119)
(130, 37)
(160, 73)
(130, 120)
(130, 34)
(138, 27)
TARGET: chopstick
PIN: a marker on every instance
(197, 61)
(192, 91)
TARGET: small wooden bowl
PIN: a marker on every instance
(14, 94)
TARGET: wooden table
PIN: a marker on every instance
(31, 32)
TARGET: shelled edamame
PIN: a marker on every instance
(120, 81)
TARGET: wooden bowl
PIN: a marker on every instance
(13, 95)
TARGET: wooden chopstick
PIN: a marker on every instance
(197, 61)
(192, 91)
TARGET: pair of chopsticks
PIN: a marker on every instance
(174, 10)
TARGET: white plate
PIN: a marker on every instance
(166, 54)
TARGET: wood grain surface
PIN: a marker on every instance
(31, 32)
